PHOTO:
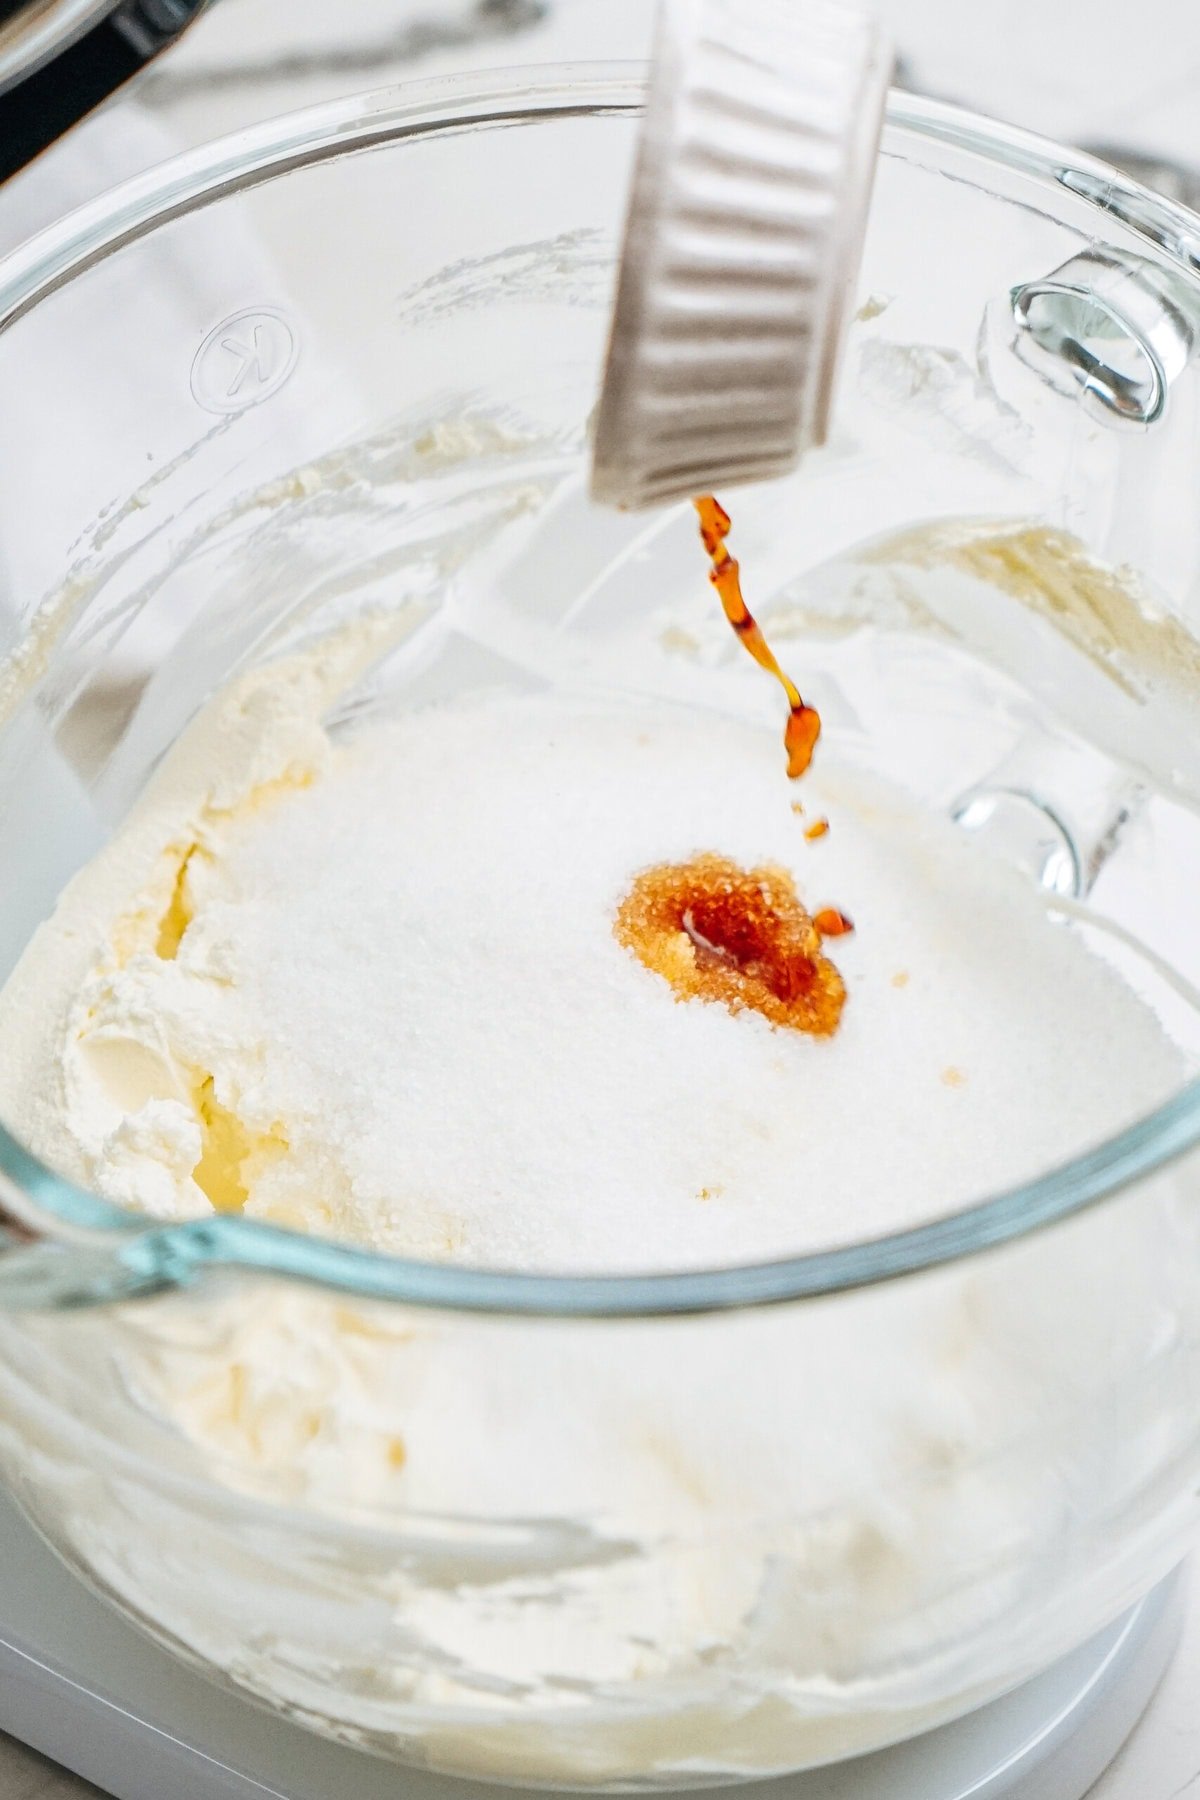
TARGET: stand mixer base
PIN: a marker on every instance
(85, 1689)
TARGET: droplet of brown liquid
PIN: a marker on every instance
(804, 723)
(718, 932)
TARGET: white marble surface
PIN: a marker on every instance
(1130, 77)
(24, 1776)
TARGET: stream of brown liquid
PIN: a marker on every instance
(804, 722)
(715, 931)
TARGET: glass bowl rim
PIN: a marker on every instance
(115, 1254)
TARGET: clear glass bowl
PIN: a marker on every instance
(841, 1498)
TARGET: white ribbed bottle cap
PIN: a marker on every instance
(742, 244)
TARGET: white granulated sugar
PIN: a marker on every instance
(387, 979)
(404, 981)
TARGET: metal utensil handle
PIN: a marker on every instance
(58, 62)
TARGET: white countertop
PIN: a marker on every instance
(251, 59)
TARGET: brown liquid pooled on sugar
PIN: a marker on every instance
(804, 722)
(718, 932)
